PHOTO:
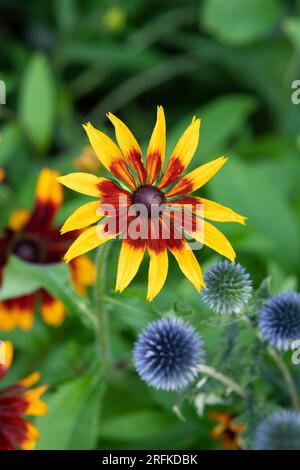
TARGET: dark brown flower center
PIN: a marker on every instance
(150, 196)
(27, 250)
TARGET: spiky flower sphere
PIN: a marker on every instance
(228, 287)
(167, 352)
(281, 431)
(279, 320)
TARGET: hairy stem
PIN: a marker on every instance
(287, 376)
(101, 313)
(224, 379)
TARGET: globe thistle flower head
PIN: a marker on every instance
(279, 320)
(281, 431)
(167, 352)
(228, 287)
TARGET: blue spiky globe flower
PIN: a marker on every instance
(167, 353)
(281, 431)
(228, 287)
(279, 320)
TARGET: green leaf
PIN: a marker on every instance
(16, 283)
(222, 119)
(249, 191)
(240, 22)
(291, 27)
(37, 101)
(135, 426)
(10, 141)
(73, 415)
(55, 278)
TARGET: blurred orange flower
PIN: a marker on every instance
(32, 237)
(227, 431)
(16, 402)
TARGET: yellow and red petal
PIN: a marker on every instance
(85, 215)
(6, 357)
(84, 183)
(89, 239)
(219, 213)
(109, 189)
(186, 261)
(31, 436)
(53, 310)
(158, 267)
(17, 312)
(157, 147)
(109, 155)
(182, 154)
(35, 406)
(129, 146)
(83, 273)
(197, 178)
(210, 236)
(208, 209)
(131, 256)
(48, 200)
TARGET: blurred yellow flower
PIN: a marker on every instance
(87, 160)
(114, 19)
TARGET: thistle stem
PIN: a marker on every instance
(101, 313)
(224, 379)
(287, 376)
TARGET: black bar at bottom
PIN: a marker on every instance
(135, 459)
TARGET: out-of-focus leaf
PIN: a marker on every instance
(66, 14)
(142, 82)
(280, 281)
(109, 55)
(240, 22)
(37, 101)
(221, 120)
(291, 27)
(16, 283)
(10, 139)
(250, 192)
(73, 415)
(163, 24)
(139, 425)
(56, 279)
(261, 67)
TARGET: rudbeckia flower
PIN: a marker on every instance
(16, 403)
(227, 430)
(146, 185)
(2, 175)
(32, 237)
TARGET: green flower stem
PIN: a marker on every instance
(224, 379)
(287, 376)
(101, 313)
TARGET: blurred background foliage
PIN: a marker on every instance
(232, 63)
